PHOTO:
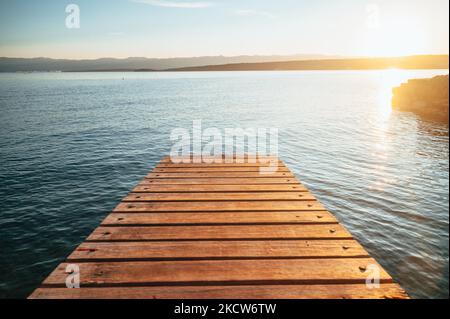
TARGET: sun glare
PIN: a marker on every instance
(388, 80)
(399, 37)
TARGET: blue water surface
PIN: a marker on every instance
(73, 145)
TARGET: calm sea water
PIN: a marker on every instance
(73, 145)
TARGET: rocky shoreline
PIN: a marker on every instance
(427, 98)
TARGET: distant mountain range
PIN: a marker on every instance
(137, 63)
(220, 63)
(411, 62)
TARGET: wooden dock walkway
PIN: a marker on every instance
(193, 231)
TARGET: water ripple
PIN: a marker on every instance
(72, 145)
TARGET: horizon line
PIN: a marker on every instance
(331, 56)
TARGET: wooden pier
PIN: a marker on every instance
(219, 231)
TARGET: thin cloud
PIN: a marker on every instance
(175, 4)
(247, 13)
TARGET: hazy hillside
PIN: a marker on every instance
(110, 64)
(219, 63)
(412, 62)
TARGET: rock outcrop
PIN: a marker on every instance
(427, 98)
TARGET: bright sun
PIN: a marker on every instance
(395, 37)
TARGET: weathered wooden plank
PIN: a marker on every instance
(158, 188)
(236, 206)
(183, 197)
(236, 159)
(221, 165)
(246, 232)
(161, 219)
(219, 181)
(218, 250)
(206, 169)
(261, 292)
(296, 271)
(220, 231)
(220, 175)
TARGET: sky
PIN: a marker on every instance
(185, 28)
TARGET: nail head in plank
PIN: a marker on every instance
(261, 292)
(230, 196)
(212, 206)
(219, 218)
(217, 250)
(157, 188)
(220, 181)
(219, 232)
(201, 228)
(307, 271)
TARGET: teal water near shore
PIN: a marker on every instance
(73, 145)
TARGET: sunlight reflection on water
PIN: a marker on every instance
(383, 173)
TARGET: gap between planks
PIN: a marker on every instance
(206, 230)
